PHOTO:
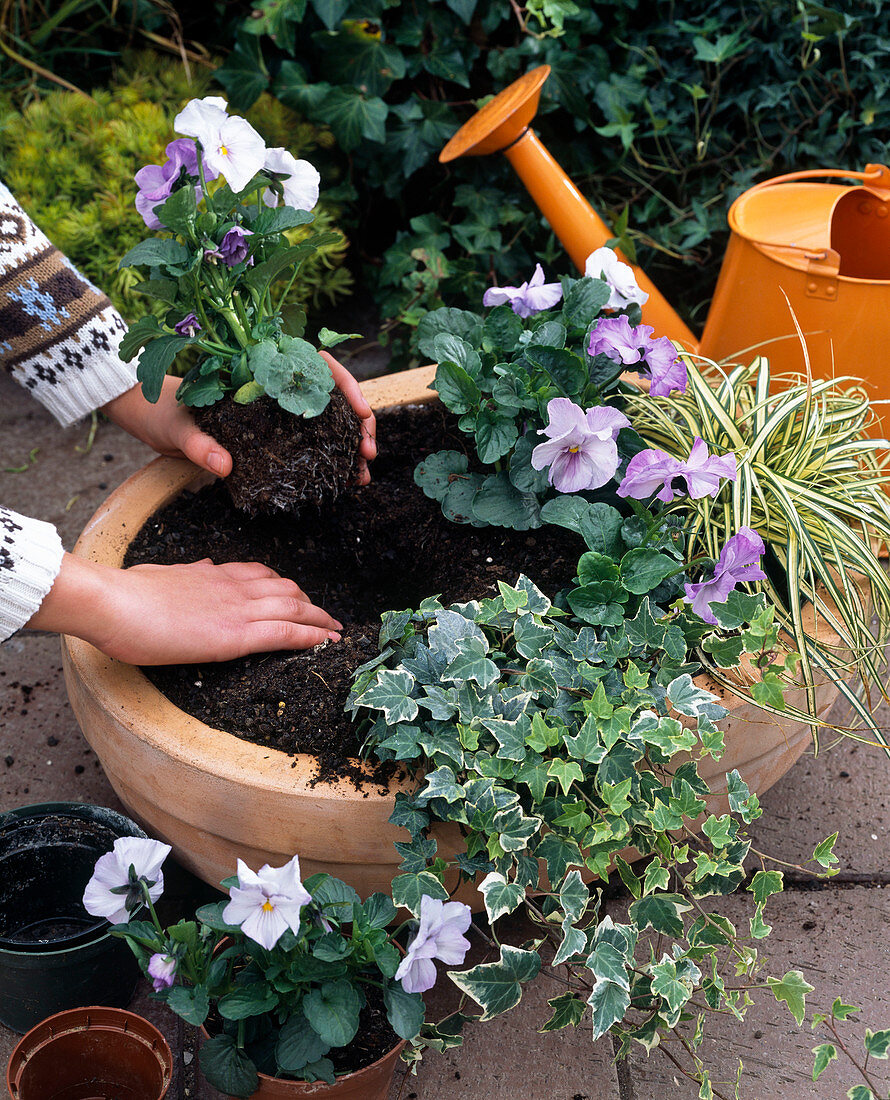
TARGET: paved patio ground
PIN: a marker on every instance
(838, 934)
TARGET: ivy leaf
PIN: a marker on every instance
(792, 989)
(407, 815)
(441, 783)
(500, 896)
(824, 852)
(471, 663)
(497, 986)
(642, 570)
(609, 1003)
(609, 964)
(568, 1010)
(355, 118)
(860, 1092)
(391, 693)
(693, 701)
(877, 1043)
(227, 1067)
(825, 1054)
(662, 911)
(559, 854)
(408, 890)
(766, 883)
(574, 896)
(565, 772)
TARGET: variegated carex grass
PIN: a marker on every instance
(813, 483)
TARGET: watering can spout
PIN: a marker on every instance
(503, 125)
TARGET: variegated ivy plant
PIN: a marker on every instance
(555, 745)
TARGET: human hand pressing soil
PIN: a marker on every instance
(182, 614)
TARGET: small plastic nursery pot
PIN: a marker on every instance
(53, 954)
(369, 1083)
(241, 800)
(93, 1053)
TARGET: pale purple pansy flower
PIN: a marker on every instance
(188, 326)
(157, 182)
(267, 902)
(234, 246)
(654, 469)
(162, 971)
(113, 892)
(604, 264)
(634, 347)
(649, 471)
(704, 471)
(532, 297)
(301, 184)
(614, 337)
(666, 369)
(231, 147)
(739, 562)
(581, 450)
(440, 936)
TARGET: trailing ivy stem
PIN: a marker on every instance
(863, 1070)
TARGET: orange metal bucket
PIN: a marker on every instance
(826, 249)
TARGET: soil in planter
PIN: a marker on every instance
(282, 462)
(383, 547)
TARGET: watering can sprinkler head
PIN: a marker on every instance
(503, 125)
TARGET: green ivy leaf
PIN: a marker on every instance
(877, 1043)
(568, 1010)
(792, 989)
(500, 896)
(663, 912)
(824, 852)
(766, 883)
(408, 890)
(497, 986)
(609, 1003)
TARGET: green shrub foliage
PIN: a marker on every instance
(70, 160)
(661, 113)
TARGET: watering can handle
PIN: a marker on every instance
(875, 175)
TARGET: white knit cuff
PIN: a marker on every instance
(91, 380)
(30, 559)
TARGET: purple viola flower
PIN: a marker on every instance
(233, 248)
(615, 338)
(704, 471)
(653, 469)
(666, 369)
(231, 146)
(440, 936)
(531, 297)
(188, 326)
(162, 971)
(114, 892)
(157, 182)
(267, 902)
(581, 450)
(648, 471)
(739, 562)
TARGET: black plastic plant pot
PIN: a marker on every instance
(92, 1053)
(53, 954)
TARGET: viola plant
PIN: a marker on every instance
(573, 734)
(227, 208)
(282, 972)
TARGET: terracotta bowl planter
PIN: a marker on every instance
(369, 1083)
(215, 798)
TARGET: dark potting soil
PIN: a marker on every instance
(282, 462)
(383, 547)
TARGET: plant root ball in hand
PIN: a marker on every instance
(281, 461)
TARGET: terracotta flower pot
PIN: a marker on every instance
(91, 1054)
(370, 1083)
(216, 798)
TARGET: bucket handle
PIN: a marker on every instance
(878, 175)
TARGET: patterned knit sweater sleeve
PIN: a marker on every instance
(59, 335)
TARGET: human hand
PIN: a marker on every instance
(182, 614)
(168, 428)
(352, 391)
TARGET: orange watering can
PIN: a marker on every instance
(816, 252)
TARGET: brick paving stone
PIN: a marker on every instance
(837, 937)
